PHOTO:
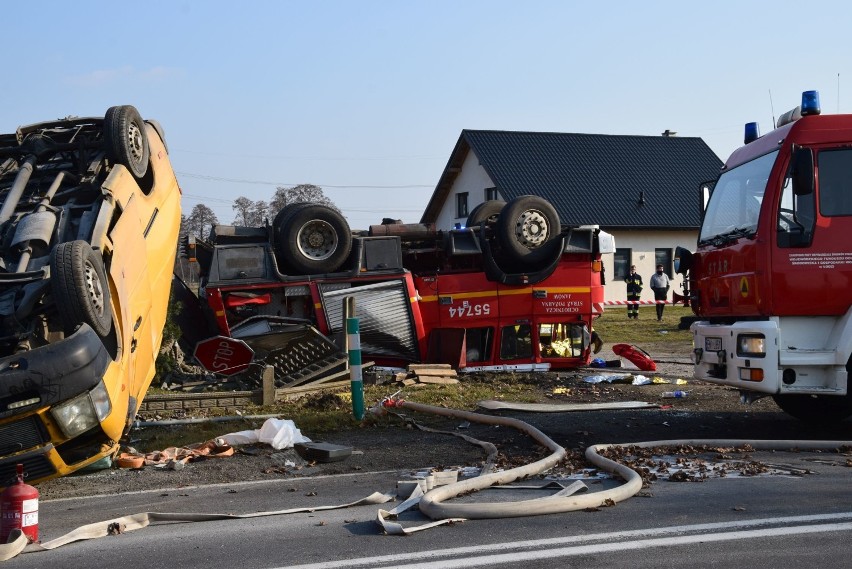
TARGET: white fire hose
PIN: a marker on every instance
(432, 504)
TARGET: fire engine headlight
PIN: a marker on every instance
(751, 345)
(85, 411)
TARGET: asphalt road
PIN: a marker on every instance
(799, 514)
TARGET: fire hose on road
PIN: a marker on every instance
(434, 503)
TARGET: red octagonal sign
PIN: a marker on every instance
(224, 355)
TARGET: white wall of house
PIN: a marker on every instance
(642, 245)
(473, 180)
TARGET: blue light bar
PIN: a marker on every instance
(810, 103)
(751, 132)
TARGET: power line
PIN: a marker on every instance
(265, 183)
(330, 158)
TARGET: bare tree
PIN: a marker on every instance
(200, 219)
(258, 214)
(243, 206)
(298, 194)
(249, 213)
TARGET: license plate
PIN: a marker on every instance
(712, 344)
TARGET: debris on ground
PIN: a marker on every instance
(174, 458)
(279, 433)
(436, 374)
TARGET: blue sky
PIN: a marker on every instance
(368, 98)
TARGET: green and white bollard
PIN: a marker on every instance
(357, 382)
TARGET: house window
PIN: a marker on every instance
(621, 260)
(491, 194)
(461, 205)
(663, 257)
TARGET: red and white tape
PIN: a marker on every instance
(624, 302)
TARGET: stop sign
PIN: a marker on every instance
(224, 355)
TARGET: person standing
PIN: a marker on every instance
(634, 289)
(660, 284)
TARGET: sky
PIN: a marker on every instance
(367, 98)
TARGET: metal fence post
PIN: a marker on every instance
(353, 346)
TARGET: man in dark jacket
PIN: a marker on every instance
(660, 284)
(634, 289)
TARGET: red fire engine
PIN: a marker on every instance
(513, 290)
(771, 280)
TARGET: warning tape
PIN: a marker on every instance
(625, 302)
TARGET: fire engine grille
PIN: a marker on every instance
(36, 466)
(21, 435)
(384, 318)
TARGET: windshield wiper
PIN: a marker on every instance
(729, 236)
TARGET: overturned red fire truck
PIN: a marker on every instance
(513, 290)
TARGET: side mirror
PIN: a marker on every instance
(803, 171)
(682, 260)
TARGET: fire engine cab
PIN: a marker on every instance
(771, 279)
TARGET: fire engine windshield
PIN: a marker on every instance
(735, 202)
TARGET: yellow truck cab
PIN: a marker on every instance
(89, 227)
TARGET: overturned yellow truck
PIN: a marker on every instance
(89, 224)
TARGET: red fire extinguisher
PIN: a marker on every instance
(19, 509)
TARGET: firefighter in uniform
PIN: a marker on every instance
(634, 289)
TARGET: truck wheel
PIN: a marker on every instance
(487, 211)
(126, 139)
(525, 225)
(816, 408)
(312, 238)
(80, 289)
(283, 213)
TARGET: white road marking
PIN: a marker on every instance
(525, 551)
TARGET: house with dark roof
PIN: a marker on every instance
(644, 190)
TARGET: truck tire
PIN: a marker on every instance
(486, 211)
(281, 216)
(126, 139)
(526, 224)
(80, 289)
(816, 409)
(311, 238)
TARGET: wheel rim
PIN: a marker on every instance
(531, 229)
(317, 240)
(94, 289)
(135, 142)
